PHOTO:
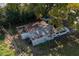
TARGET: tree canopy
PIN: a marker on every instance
(15, 14)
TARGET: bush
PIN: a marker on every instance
(2, 37)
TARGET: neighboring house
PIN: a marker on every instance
(40, 32)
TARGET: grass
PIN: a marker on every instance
(5, 50)
(66, 49)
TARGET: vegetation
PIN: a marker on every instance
(4, 50)
(19, 14)
(2, 37)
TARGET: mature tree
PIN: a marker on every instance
(17, 14)
(2, 16)
(13, 14)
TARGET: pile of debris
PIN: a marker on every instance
(39, 32)
(31, 27)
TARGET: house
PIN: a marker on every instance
(40, 32)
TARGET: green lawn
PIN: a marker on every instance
(4, 48)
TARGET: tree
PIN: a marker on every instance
(17, 14)
(59, 13)
(2, 16)
(13, 14)
(40, 9)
